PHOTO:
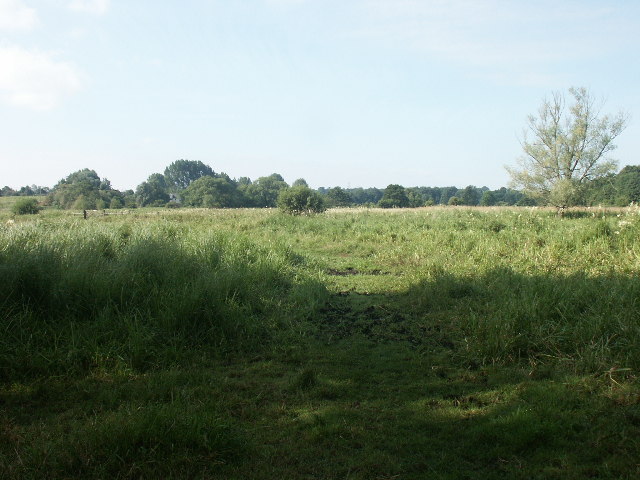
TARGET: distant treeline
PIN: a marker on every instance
(192, 183)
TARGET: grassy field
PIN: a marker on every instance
(443, 343)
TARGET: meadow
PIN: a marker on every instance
(441, 342)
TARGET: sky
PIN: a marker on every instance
(338, 92)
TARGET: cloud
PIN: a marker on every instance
(15, 16)
(496, 37)
(96, 7)
(284, 3)
(34, 79)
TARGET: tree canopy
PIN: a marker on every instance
(300, 200)
(212, 192)
(337, 197)
(153, 192)
(83, 189)
(565, 146)
(394, 196)
(181, 173)
(264, 191)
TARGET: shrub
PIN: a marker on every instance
(300, 200)
(26, 206)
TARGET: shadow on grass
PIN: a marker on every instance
(379, 411)
(499, 375)
(585, 323)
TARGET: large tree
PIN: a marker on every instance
(181, 173)
(300, 200)
(264, 191)
(566, 145)
(153, 192)
(470, 196)
(628, 185)
(212, 192)
(337, 197)
(394, 196)
(83, 189)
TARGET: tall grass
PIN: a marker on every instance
(499, 285)
(168, 344)
(78, 296)
(155, 287)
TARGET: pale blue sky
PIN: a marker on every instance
(350, 93)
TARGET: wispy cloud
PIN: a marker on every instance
(284, 3)
(16, 16)
(34, 79)
(498, 38)
(96, 7)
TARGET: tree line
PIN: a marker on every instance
(192, 183)
(565, 163)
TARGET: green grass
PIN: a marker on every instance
(431, 343)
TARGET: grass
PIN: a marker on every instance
(80, 296)
(429, 343)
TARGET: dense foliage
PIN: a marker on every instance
(26, 206)
(300, 200)
(85, 190)
(195, 184)
(565, 147)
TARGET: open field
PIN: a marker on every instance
(373, 344)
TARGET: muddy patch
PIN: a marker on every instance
(352, 271)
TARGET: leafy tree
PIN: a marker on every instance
(181, 173)
(566, 147)
(300, 182)
(212, 192)
(25, 206)
(7, 191)
(416, 199)
(506, 196)
(338, 197)
(394, 196)
(628, 185)
(243, 185)
(363, 196)
(470, 196)
(526, 201)
(429, 195)
(26, 191)
(129, 199)
(153, 192)
(265, 190)
(116, 203)
(300, 200)
(446, 193)
(82, 189)
(488, 199)
(453, 201)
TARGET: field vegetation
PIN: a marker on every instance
(441, 342)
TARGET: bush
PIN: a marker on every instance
(300, 200)
(115, 203)
(26, 206)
